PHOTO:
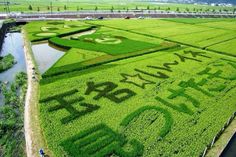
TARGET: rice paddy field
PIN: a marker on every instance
(128, 88)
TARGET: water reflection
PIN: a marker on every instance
(46, 56)
(13, 43)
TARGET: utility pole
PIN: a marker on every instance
(6, 3)
(8, 6)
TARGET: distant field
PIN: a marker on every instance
(152, 87)
(202, 33)
(63, 5)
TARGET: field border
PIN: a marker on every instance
(33, 135)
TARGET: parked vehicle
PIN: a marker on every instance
(100, 18)
(88, 18)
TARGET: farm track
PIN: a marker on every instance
(27, 127)
(33, 134)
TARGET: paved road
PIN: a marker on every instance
(116, 14)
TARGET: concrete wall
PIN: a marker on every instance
(3, 31)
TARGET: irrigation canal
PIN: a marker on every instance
(230, 149)
(13, 44)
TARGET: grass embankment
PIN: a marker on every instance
(12, 140)
(6, 62)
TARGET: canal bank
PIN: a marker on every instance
(5, 25)
(33, 134)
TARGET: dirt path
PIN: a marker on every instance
(33, 134)
(28, 131)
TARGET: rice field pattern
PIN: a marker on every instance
(153, 88)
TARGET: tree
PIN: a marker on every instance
(65, 7)
(112, 8)
(234, 11)
(48, 7)
(58, 8)
(159, 8)
(77, 8)
(148, 7)
(136, 8)
(177, 9)
(96, 8)
(38, 9)
(30, 7)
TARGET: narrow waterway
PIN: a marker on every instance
(13, 44)
(230, 149)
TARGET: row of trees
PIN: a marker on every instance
(148, 8)
(58, 8)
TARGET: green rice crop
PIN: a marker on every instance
(151, 87)
(193, 120)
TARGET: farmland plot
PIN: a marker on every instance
(131, 88)
(42, 30)
(227, 47)
(169, 103)
(227, 25)
(206, 38)
(154, 27)
(202, 33)
(108, 45)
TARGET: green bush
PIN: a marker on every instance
(6, 62)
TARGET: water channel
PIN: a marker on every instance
(13, 44)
